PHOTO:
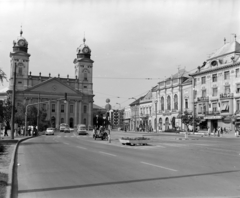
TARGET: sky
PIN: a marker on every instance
(134, 44)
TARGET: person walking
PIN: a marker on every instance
(5, 131)
(209, 131)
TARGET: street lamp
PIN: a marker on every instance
(156, 115)
(135, 113)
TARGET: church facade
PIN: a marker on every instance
(50, 91)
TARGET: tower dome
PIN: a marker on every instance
(83, 48)
(20, 44)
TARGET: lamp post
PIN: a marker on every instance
(135, 108)
(13, 102)
(156, 115)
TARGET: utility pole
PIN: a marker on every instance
(13, 101)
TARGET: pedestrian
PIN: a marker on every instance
(5, 131)
(29, 131)
(221, 131)
(209, 131)
(218, 131)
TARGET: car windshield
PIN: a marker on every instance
(83, 127)
(49, 128)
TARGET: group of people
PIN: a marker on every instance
(20, 130)
(217, 131)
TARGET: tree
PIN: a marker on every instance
(187, 119)
(7, 108)
(3, 76)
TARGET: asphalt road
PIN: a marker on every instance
(68, 165)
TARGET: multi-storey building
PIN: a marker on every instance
(173, 97)
(127, 118)
(217, 87)
(37, 88)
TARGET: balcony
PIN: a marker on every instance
(203, 99)
(226, 95)
(144, 115)
(212, 112)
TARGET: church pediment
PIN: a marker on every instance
(53, 86)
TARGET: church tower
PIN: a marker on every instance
(84, 68)
(19, 59)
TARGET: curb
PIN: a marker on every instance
(11, 185)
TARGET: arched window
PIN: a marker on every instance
(168, 103)
(175, 102)
(20, 70)
(84, 109)
(85, 75)
(162, 104)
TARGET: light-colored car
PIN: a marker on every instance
(81, 129)
(63, 126)
(50, 131)
(67, 130)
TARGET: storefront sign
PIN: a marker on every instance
(213, 117)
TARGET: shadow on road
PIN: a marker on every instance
(125, 182)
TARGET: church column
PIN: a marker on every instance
(80, 112)
(67, 112)
(57, 114)
(75, 113)
(90, 120)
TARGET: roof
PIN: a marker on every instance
(228, 48)
(97, 107)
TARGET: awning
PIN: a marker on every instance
(213, 117)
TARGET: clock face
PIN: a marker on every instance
(85, 50)
(21, 43)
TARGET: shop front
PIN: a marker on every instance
(211, 121)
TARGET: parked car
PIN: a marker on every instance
(67, 130)
(63, 126)
(50, 131)
(81, 129)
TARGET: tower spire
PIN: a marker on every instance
(21, 32)
(84, 40)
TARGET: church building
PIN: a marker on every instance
(78, 109)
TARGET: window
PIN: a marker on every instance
(214, 91)
(84, 109)
(162, 103)
(195, 94)
(226, 75)
(200, 109)
(85, 76)
(204, 93)
(238, 88)
(71, 108)
(175, 102)
(53, 107)
(85, 87)
(238, 105)
(195, 81)
(186, 103)
(227, 89)
(214, 77)
(214, 107)
(20, 70)
(225, 107)
(204, 80)
(237, 73)
(44, 106)
(62, 120)
(85, 121)
(168, 103)
(62, 108)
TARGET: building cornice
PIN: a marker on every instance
(215, 69)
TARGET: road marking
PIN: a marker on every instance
(107, 153)
(81, 147)
(158, 166)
